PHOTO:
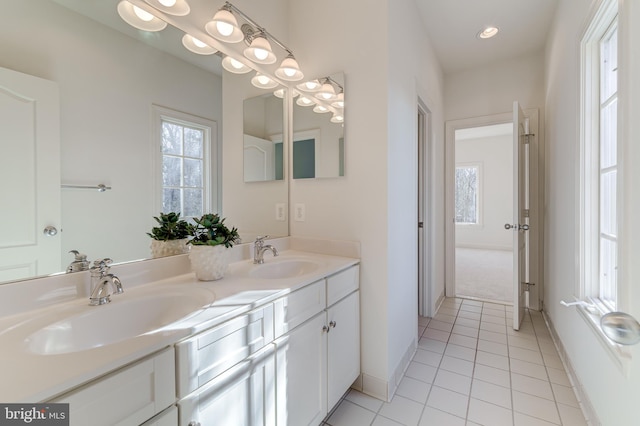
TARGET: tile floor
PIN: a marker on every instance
(471, 368)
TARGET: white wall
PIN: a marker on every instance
(108, 83)
(495, 157)
(613, 395)
(375, 202)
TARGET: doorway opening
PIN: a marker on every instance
(483, 193)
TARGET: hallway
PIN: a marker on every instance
(471, 368)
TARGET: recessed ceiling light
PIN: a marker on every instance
(488, 32)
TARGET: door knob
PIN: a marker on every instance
(509, 226)
(50, 231)
(524, 227)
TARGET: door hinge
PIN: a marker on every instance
(528, 285)
(525, 213)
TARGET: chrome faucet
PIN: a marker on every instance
(80, 263)
(101, 280)
(259, 248)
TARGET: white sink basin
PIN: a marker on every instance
(122, 319)
(283, 269)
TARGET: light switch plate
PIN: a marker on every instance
(299, 212)
(281, 212)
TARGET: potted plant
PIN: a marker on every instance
(170, 237)
(209, 254)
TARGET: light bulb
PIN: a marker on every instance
(167, 3)
(198, 42)
(224, 28)
(236, 64)
(142, 14)
(261, 54)
(263, 79)
(289, 72)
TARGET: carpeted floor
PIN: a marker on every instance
(484, 274)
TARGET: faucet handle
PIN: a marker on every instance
(102, 265)
(260, 241)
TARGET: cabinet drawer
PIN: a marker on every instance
(128, 396)
(299, 306)
(342, 283)
(242, 395)
(203, 357)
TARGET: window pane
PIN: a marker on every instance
(171, 138)
(193, 202)
(609, 64)
(609, 135)
(608, 272)
(466, 196)
(170, 200)
(171, 171)
(608, 219)
(192, 172)
(193, 140)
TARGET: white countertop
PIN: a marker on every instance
(32, 377)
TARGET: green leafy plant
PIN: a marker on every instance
(210, 230)
(171, 227)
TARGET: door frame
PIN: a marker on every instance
(535, 220)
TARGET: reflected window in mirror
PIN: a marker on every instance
(318, 129)
(183, 175)
(263, 154)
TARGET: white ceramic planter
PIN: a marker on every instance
(209, 262)
(168, 248)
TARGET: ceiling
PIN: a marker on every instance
(452, 26)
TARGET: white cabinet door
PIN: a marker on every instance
(243, 395)
(168, 417)
(301, 374)
(343, 351)
(127, 397)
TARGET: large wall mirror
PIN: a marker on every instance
(110, 76)
(318, 129)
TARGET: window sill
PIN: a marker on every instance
(621, 355)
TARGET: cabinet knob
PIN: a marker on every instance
(194, 423)
(325, 329)
(332, 324)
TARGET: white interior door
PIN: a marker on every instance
(29, 176)
(519, 220)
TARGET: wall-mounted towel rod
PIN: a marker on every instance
(99, 187)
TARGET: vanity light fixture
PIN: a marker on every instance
(289, 69)
(234, 66)
(488, 32)
(327, 92)
(224, 26)
(172, 7)
(263, 82)
(304, 101)
(309, 86)
(337, 118)
(139, 18)
(280, 93)
(320, 109)
(338, 102)
(197, 46)
(260, 50)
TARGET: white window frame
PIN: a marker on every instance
(211, 171)
(479, 206)
(589, 283)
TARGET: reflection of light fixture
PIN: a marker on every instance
(326, 92)
(309, 86)
(337, 118)
(304, 101)
(233, 65)
(139, 18)
(289, 69)
(197, 46)
(338, 102)
(263, 82)
(224, 26)
(172, 7)
(260, 50)
(320, 109)
(281, 92)
(488, 32)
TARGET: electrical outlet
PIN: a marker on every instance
(299, 213)
(281, 214)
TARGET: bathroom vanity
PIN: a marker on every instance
(277, 343)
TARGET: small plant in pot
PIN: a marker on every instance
(171, 236)
(209, 254)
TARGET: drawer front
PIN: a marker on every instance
(242, 395)
(203, 357)
(297, 307)
(341, 284)
(129, 396)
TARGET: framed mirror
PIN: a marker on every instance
(318, 128)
